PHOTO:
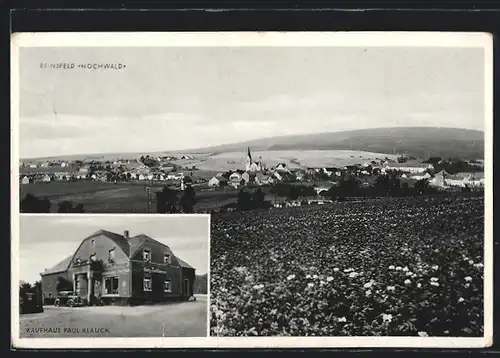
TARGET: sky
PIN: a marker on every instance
(176, 98)
(47, 240)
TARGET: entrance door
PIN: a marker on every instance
(185, 287)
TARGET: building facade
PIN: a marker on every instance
(118, 269)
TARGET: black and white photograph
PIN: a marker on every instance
(347, 177)
(102, 276)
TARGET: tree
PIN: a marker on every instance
(244, 200)
(258, 198)
(166, 200)
(402, 159)
(293, 193)
(31, 204)
(68, 207)
(188, 199)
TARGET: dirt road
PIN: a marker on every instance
(185, 319)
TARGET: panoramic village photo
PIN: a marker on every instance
(346, 188)
(113, 276)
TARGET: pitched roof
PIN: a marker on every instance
(60, 267)
(119, 240)
(184, 263)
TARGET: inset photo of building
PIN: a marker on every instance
(118, 275)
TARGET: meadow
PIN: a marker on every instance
(292, 158)
(127, 197)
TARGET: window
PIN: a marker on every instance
(166, 258)
(77, 283)
(111, 256)
(147, 284)
(146, 255)
(111, 285)
(93, 243)
(168, 288)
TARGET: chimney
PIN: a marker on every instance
(126, 234)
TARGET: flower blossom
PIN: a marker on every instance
(407, 282)
(386, 317)
(368, 284)
(329, 279)
(423, 334)
(342, 319)
(391, 267)
(468, 279)
(335, 269)
(461, 299)
(290, 277)
(391, 288)
(353, 274)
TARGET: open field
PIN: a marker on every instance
(130, 197)
(387, 266)
(185, 319)
(292, 158)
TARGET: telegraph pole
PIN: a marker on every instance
(148, 193)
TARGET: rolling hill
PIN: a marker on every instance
(414, 141)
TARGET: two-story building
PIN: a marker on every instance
(119, 269)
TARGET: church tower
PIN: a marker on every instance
(248, 161)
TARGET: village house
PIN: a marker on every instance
(247, 177)
(417, 177)
(217, 182)
(262, 179)
(300, 175)
(123, 270)
(235, 176)
(322, 188)
(281, 167)
(278, 176)
(175, 176)
(413, 168)
(438, 180)
(331, 171)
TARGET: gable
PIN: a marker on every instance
(158, 250)
(100, 244)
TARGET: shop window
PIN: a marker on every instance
(148, 284)
(166, 258)
(168, 287)
(111, 285)
(146, 255)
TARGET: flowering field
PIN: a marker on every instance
(392, 266)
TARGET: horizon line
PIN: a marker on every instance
(193, 150)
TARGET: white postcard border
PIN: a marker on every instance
(302, 39)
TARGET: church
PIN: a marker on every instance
(251, 165)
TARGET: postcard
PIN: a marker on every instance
(252, 189)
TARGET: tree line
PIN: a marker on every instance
(169, 202)
(32, 204)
